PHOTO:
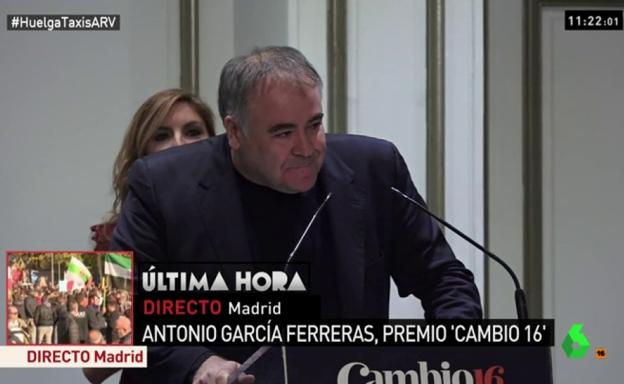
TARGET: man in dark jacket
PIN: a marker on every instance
(30, 306)
(111, 316)
(95, 318)
(79, 329)
(123, 329)
(248, 195)
(63, 321)
(45, 317)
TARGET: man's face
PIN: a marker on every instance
(95, 337)
(284, 145)
(121, 329)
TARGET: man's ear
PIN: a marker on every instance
(233, 131)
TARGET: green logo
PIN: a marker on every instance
(575, 335)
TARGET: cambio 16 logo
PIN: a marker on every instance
(423, 375)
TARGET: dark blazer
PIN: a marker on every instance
(184, 204)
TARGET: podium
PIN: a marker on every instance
(412, 365)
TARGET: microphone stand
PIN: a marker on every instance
(520, 296)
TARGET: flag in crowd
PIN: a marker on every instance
(77, 274)
(117, 265)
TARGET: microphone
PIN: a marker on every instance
(305, 232)
(265, 348)
(520, 296)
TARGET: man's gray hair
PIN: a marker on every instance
(241, 75)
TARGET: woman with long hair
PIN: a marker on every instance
(167, 119)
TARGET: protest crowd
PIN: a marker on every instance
(42, 313)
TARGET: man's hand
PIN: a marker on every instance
(217, 370)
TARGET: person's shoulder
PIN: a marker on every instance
(188, 153)
(349, 140)
(186, 162)
(360, 147)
